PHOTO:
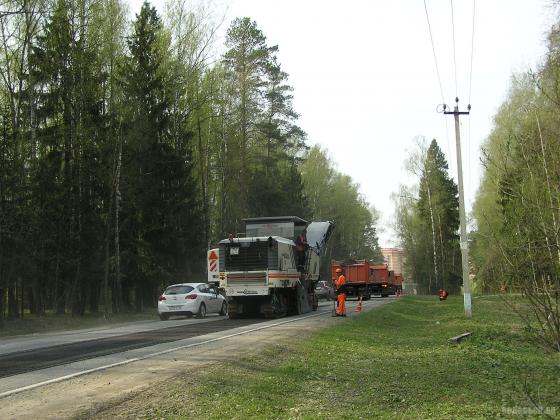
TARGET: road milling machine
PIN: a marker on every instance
(264, 272)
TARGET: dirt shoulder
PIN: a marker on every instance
(145, 402)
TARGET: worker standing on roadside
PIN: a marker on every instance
(339, 284)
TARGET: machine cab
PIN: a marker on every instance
(288, 227)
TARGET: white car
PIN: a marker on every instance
(191, 299)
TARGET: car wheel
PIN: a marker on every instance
(223, 311)
(201, 311)
(163, 317)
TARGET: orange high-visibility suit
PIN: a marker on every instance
(341, 307)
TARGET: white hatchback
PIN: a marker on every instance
(191, 299)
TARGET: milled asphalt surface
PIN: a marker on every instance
(42, 340)
(40, 358)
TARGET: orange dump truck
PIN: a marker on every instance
(363, 279)
(397, 285)
(382, 279)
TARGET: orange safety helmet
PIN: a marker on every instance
(338, 271)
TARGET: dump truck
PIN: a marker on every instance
(363, 279)
(382, 279)
(359, 281)
(397, 285)
(262, 271)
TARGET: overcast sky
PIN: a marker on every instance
(366, 84)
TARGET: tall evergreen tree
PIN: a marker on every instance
(438, 207)
(246, 62)
(69, 125)
(428, 224)
(160, 211)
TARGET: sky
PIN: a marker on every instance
(365, 80)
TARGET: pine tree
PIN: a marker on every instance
(438, 208)
(161, 217)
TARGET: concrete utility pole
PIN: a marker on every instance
(463, 218)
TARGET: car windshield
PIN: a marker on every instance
(178, 290)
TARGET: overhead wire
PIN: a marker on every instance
(454, 54)
(438, 77)
(434, 52)
(470, 91)
(472, 49)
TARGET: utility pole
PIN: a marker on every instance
(462, 217)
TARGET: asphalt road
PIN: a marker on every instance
(26, 361)
(34, 366)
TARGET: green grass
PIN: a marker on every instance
(393, 362)
(31, 324)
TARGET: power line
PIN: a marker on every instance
(434, 51)
(470, 91)
(472, 49)
(454, 55)
(450, 161)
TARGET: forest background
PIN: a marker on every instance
(127, 149)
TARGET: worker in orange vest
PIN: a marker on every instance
(301, 246)
(339, 284)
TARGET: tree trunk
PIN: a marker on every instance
(117, 289)
(107, 255)
(22, 296)
(139, 298)
(433, 241)
(2, 299)
(12, 301)
(38, 298)
(93, 298)
(59, 298)
(31, 301)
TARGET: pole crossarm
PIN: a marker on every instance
(456, 112)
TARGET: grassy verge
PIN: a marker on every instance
(394, 362)
(32, 324)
